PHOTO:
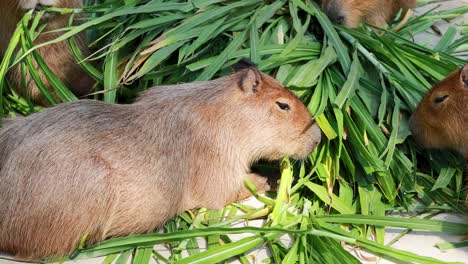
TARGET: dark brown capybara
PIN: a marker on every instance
(441, 118)
(57, 56)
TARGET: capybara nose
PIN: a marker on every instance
(334, 13)
(337, 17)
(313, 136)
(317, 134)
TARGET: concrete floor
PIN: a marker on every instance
(419, 242)
(423, 243)
(430, 38)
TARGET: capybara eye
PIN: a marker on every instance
(440, 99)
(283, 106)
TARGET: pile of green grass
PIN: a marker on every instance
(361, 85)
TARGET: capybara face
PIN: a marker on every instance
(288, 128)
(334, 10)
(349, 13)
(441, 119)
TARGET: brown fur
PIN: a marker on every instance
(108, 170)
(57, 56)
(377, 12)
(444, 124)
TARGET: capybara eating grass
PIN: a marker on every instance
(441, 119)
(109, 170)
(351, 13)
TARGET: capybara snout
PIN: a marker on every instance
(107, 170)
(334, 10)
(290, 123)
(312, 136)
(351, 13)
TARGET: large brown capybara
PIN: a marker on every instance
(108, 170)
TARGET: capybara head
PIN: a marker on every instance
(287, 127)
(441, 119)
(351, 13)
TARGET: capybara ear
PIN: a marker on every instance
(243, 64)
(464, 76)
(250, 80)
